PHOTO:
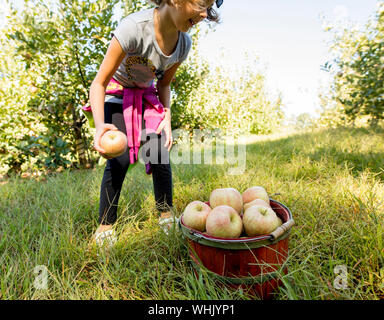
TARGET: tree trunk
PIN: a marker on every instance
(79, 139)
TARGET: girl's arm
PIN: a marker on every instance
(111, 62)
(164, 92)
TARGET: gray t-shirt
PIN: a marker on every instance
(144, 60)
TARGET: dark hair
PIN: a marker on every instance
(211, 14)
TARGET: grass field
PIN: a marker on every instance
(332, 180)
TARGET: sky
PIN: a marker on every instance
(288, 38)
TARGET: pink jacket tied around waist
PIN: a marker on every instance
(133, 100)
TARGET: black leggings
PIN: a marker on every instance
(116, 169)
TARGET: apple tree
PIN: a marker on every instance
(56, 48)
(358, 86)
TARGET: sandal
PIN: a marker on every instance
(168, 223)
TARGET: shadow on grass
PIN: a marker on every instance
(342, 146)
(356, 161)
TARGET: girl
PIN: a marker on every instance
(146, 45)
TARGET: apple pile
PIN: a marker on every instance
(231, 213)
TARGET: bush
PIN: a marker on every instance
(50, 58)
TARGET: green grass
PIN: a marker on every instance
(332, 180)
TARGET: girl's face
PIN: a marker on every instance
(190, 13)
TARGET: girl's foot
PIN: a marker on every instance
(105, 236)
(167, 222)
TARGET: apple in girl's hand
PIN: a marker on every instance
(256, 202)
(226, 196)
(259, 220)
(224, 222)
(195, 214)
(114, 143)
(253, 193)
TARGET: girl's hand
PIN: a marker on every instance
(99, 132)
(166, 125)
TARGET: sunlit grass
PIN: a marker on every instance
(332, 180)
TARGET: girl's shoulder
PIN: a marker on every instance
(141, 16)
(132, 28)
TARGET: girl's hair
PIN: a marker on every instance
(211, 14)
